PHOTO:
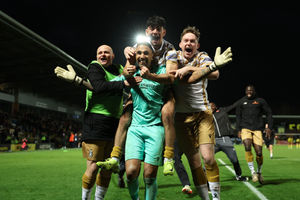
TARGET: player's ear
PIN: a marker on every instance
(164, 32)
(180, 45)
(112, 56)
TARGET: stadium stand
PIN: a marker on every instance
(27, 62)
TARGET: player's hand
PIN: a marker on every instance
(129, 53)
(180, 73)
(67, 75)
(130, 70)
(220, 60)
(145, 73)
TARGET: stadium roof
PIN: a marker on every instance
(27, 61)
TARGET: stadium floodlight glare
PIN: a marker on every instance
(140, 38)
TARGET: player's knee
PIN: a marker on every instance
(209, 160)
(150, 171)
(131, 172)
(92, 169)
(259, 153)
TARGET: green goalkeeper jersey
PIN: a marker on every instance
(147, 99)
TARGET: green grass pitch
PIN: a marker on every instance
(56, 175)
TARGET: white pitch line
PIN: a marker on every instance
(251, 187)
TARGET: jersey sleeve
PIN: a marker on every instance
(96, 76)
(171, 55)
(205, 60)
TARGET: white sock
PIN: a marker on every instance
(215, 190)
(86, 194)
(251, 167)
(202, 191)
(259, 168)
(100, 192)
(116, 158)
(168, 159)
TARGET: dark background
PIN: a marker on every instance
(263, 37)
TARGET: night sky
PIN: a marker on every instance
(264, 39)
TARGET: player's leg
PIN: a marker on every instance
(167, 112)
(212, 169)
(90, 152)
(181, 171)
(104, 176)
(150, 172)
(153, 148)
(206, 129)
(188, 143)
(229, 150)
(271, 150)
(258, 142)
(132, 173)
(134, 153)
(246, 136)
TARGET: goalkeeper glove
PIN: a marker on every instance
(68, 75)
(221, 60)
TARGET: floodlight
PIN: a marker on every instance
(140, 38)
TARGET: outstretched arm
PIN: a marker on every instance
(70, 75)
(211, 71)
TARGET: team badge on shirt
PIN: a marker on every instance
(91, 153)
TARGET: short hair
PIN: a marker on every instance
(156, 22)
(146, 44)
(250, 85)
(191, 29)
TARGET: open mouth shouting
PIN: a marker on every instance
(103, 59)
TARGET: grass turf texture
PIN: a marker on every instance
(56, 174)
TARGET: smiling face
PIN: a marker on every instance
(105, 55)
(144, 55)
(250, 92)
(189, 45)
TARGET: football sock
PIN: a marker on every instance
(103, 178)
(100, 192)
(169, 152)
(215, 190)
(116, 152)
(151, 188)
(133, 187)
(199, 176)
(202, 191)
(86, 194)
(212, 172)
(88, 182)
(249, 156)
(251, 167)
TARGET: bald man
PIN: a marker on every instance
(102, 112)
(104, 105)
